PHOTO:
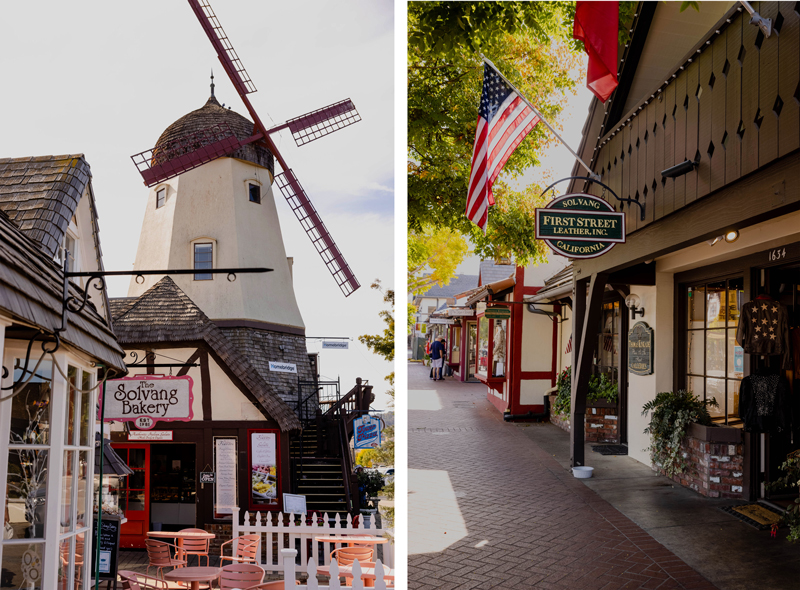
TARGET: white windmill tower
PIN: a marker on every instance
(211, 204)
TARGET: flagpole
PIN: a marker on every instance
(592, 173)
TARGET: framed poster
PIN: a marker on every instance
(264, 459)
(226, 467)
(294, 504)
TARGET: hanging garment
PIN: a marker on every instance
(764, 403)
(764, 329)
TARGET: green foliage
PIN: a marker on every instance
(791, 479)
(371, 481)
(433, 256)
(600, 388)
(563, 400)
(382, 344)
(366, 457)
(531, 43)
(671, 415)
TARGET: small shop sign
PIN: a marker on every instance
(445, 321)
(640, 349)
(368, 432)
(150, 435)
(208, 477)
(460, 312)
(336, 345)
(497, 313)
(580, 226)
(282, 367)
(147, 399)
(294, 504)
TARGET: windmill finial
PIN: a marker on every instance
(212, 81)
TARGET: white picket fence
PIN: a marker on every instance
(290, 573)
(299, 534)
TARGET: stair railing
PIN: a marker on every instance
(347, 465)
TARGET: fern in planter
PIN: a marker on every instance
(600, 388)
(672, 412)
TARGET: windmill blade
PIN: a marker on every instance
(306, 128)
(225, 51)
(180, 155)
(309, 218)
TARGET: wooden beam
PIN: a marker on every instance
(588, 307)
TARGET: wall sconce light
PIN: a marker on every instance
(680, 169)
(633, 302)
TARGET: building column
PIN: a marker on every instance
(587, 305)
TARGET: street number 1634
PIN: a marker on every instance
(776, 254)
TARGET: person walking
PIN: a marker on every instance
(437, 358)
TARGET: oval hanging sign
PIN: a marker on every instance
(580, 226)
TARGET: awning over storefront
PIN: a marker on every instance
(492, 289)
(556, 287)
(112, 463)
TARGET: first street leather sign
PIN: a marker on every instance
(580, 226)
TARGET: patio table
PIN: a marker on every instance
(194, 574)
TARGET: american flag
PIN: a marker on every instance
(504, 119)
(569, 346)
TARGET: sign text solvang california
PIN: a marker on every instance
(146, 399)
(580, 226)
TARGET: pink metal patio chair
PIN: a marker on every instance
(245, 550)
(137, 581)
(196, 546)
(160, 556)
(240, 575)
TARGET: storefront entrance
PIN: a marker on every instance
(782, 284)
(161, 492)
(472, 349)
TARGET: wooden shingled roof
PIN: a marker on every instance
(210, 114)
(40, 195)
(31, 290)
(164, 313)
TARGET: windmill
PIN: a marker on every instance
(186, 153)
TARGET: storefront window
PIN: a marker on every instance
(499, 348)
(714, 361)
(455, 346)
(607, 353)
(23, 565)
(483, 346)
(472, 345)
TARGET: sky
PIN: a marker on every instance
(106, 78)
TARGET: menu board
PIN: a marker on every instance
(263, 469)
(225, 466)
(109, 547)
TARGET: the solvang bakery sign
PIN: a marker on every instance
(580, 226)
(147, 399)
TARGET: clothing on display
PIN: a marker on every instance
(765, 403)
(764, 329)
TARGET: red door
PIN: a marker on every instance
(134, 496)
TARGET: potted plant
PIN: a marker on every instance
(790, 518)
(600, 389)
(672, 413)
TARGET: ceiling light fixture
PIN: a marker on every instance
(731, 236)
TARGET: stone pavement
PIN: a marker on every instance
(489, 508)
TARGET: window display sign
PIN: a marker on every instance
(147, 399)
(294, 504)
(264, 469)
(367, 432)
(640, 349)
(580, 226)
(225, 468)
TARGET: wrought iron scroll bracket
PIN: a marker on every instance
(605, 187)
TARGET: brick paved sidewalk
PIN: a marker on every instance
(488, 508)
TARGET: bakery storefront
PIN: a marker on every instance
(711, 264)
(197, 424)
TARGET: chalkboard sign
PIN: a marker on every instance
(640, 349)
(109, 547)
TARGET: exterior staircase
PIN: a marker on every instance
(322, 466)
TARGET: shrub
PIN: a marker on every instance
(671, 415)
(600, 388)
(790, 518)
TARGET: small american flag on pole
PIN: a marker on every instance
(504, 119)
(569, 346)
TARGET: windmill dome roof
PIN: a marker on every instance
(181, 132)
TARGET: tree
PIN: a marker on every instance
(383, 345)
(530, 42)
(438, 251)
